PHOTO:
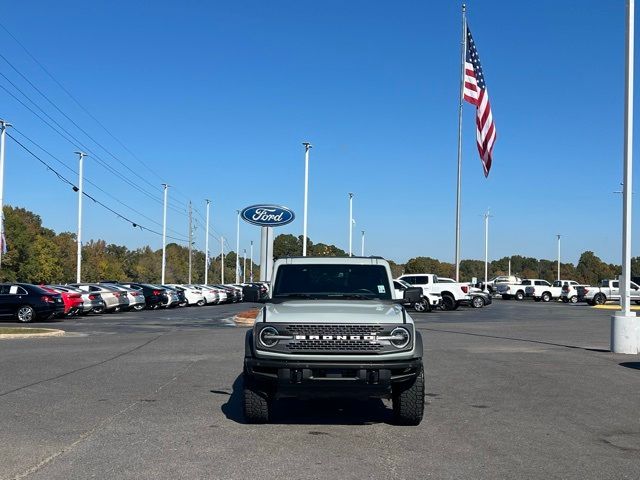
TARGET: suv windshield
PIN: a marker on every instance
(332, 281)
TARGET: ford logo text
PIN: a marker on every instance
(267, 215)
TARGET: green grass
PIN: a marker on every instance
(23, 330)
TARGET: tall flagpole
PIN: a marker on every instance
(625, 326)
(462, 59)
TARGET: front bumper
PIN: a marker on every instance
(289, 378)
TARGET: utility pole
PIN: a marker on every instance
(238, 248)
(190, 239)
(3, 132)
(244, 267)
(251, 264)
(206, 247)
(509, 266)
(81, 156)
(362, 246)
(221, 259)
(307, 147)
(164, 232)
(558, 256)
(625, 329)
(350, 223)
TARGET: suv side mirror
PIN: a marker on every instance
(412, 294)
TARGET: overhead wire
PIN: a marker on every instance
(89, 181)
(91, 197)
(76, 101)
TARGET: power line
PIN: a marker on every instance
(44, 69)
(90, 181)
(103, 205)
(73, 140)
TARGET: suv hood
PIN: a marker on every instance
(334, 311)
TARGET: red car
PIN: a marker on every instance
(72, 301)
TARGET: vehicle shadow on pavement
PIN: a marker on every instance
(312, 412)
(539, 342)
(634, 365)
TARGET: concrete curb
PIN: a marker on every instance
(51, 332)
(246, 318)
(613, 307)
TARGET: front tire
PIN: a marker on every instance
(420, 306)
(546, 297)
(255, 404)
(574, 299)
(519, 295)
(408, 401)
(26, 314)
(477, 302)
(200, 303)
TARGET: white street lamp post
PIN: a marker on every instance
(350, 224)
(238, 247)
(307, 147)
(362, 246)
(81, 156)
(206, 246)
(3, 133)
(164, 232)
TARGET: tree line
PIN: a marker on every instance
(36, 254)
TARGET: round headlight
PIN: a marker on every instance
(264, 335)
(404, 337)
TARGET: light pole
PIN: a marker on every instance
(251, 264)
(81, 156)
(350, 223)
(238, 248)
(625, 330)
(362, 246)
(3, 133)
(206, 246)
(486, 248)
(558, 255)
(221, 259)
(307, 147)
(164, 232)
(244, 267)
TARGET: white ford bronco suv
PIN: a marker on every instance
(332, 328)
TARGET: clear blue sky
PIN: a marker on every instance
(216, 97)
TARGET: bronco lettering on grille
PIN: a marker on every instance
(371, 338)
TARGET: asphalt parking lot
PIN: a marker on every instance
(514, 390)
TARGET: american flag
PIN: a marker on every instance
(475, 92)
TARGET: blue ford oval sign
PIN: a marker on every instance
(267, 215)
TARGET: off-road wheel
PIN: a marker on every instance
(519, 295)
(256, 403)
(546, 297)
(408, 401)
(599, 299)
(26, 314)
(448, 302)
(420, 306)
(477, 302)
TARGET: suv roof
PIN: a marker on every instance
(330, 260)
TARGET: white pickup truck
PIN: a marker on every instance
(541, 290)
(607, 290)
(453, 294)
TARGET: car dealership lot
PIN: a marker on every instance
(515, 390)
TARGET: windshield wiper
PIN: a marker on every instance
(295, 295)
(355, 296)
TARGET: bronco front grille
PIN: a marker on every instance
(334, 346)
(334, 329)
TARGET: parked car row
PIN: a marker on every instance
(26, 302)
